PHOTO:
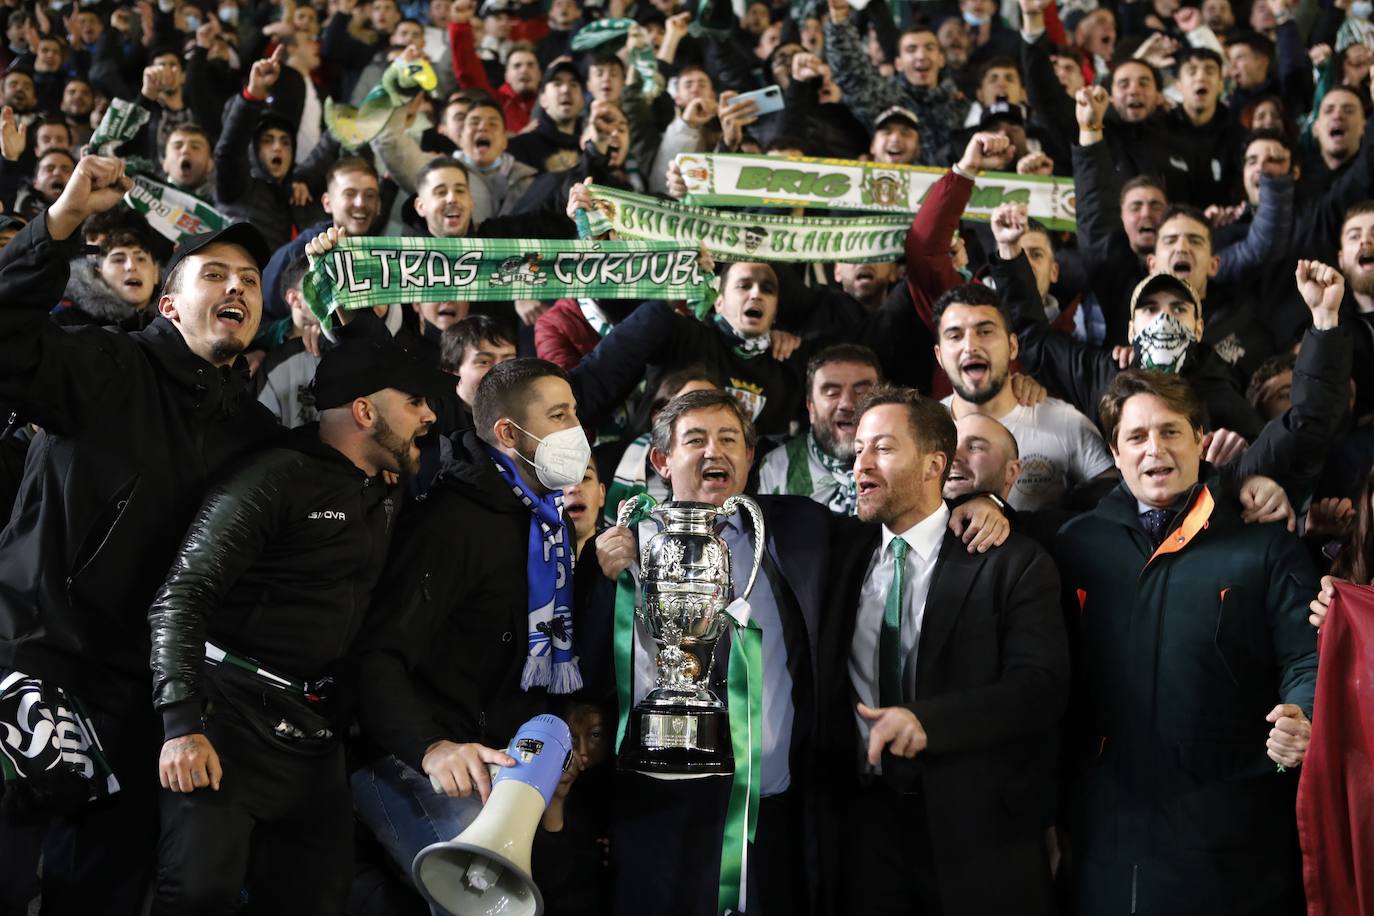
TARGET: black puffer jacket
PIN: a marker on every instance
(278, 566)
(134, 427)
(244, 190)
(445, 659)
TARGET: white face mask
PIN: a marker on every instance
(1361, 9)
(1160, 345)
(561, 458)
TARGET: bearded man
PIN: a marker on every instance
(819, 463)
(264, 600)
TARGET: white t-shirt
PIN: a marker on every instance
(1060, 449)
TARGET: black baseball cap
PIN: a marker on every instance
(242, 234)
(898, 113)
(562, 65)
(1002, 112)
(1164, 281)
(356, 368)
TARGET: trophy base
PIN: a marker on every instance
(678, 740)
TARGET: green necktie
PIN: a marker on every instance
(890, 638)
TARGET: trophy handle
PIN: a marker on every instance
(734, 504)
(630, 507)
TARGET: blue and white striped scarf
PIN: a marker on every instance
(548, 571)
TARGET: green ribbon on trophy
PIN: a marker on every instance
(723, 179)
(369, 271)
(744, 685)
(751, 236)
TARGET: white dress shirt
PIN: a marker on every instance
(924, 539)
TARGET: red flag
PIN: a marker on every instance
(1336, 787)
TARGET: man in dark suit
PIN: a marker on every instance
(666, 838)
(943, 680)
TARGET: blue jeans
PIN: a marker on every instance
(401, 808)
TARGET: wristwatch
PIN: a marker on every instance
(998, 501)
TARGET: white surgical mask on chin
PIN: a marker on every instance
(1160, 345)
(561, 458)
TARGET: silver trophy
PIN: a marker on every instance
(681, 727)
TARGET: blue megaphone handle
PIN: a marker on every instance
(541, 748)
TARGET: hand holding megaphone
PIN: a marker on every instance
(456, 769)
(486, 868)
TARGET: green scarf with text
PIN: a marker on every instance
(750, 236)
(370, 271)
(722, 179)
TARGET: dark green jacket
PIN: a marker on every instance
(1180, 656)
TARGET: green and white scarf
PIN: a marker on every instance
(722, 179)
(366, 271)
(174, 213)
(802, 468)
(608, 35)
(117, 127)
(750, 236)
(595, 317)
(603, 32)
(631, 477)
(744, 347)
(845, 498)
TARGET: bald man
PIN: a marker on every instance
(986, 459)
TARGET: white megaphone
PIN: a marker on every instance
(485, 870)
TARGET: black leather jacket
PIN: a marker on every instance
(278, 566)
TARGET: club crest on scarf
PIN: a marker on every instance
(521, 269)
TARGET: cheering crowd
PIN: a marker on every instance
(1057, 512)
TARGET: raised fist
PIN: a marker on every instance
(1035, 164)
(1008, 223)
(982, 146)
(698, 112)
(1090, 106)
(1322, 288)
